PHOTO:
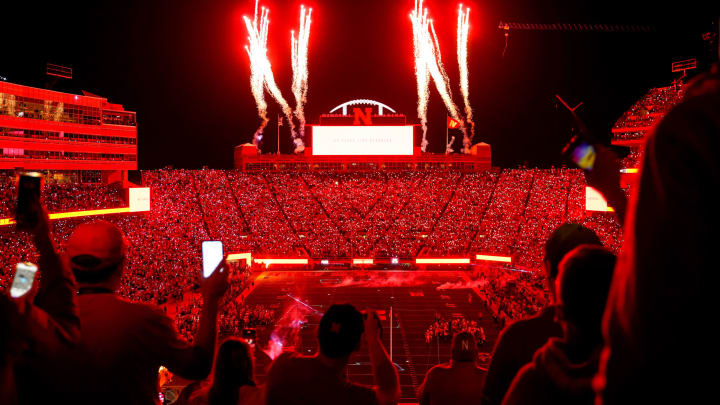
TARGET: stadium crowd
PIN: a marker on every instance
(599, 322)
(367, 214)
(62, 197)
(234, 316)
(651, 107)
(444, 330)
(511, 295)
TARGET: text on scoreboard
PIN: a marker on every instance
(362, 140)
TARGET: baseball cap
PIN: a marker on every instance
(464, 347)
(96, 245)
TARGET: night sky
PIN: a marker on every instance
(181, 65)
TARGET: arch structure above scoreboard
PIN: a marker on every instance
(381, 107)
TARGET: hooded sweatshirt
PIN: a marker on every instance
(552, 378)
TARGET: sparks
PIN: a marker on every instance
(463, 28)
(299, 48)
(428, 65)
(448, 147)
(261, 74)
(419, 18)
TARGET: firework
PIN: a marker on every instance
(463, 26)
(261, 75)
(448, 147)
(428, 65)
(299, 48)
(418, 18)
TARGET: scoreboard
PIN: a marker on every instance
(362, 140)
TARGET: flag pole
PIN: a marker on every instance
(278, 135)
(447, 139)
(391, 331)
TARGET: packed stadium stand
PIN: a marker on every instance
(634, 125)
(330, 215)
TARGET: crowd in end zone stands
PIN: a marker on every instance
(511, 295)
(444, 329)
(399, 214)
(634, 123)
(234, 314)
(327, 214)
(651, 107)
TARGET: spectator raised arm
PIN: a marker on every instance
(196, 363)
(45, 318)
(387, 383)
(123, 344)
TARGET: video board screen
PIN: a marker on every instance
(362, 140)
(139, 199)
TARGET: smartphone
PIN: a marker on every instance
(250, 336)
(29, 187)
(212, 253)
(24, 277)
(581, 153)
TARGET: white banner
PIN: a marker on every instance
(362, 140)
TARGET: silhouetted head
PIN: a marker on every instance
(340, 331)
(234, 366)
(583, 286)
(97, 252)
(564, 239)
(464, 347)
(234, 361)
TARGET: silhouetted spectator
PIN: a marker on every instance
(232, 379)
(562, 370)
(40, 322)
(666, 272)
(322, 379)
(517, 343)
(123, 344)
(458, 381)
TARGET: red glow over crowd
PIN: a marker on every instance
(327, 215)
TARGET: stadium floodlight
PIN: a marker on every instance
(442, 260)
(240, 256)
(684, 65)
(64, 72)
(268, 262)
(76, 214)
(362, 261)
(494, 258)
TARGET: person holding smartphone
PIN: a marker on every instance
(124, 343)
(37, 319)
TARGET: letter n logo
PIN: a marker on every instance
(365, 117)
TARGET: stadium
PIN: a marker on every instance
(359, 212)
